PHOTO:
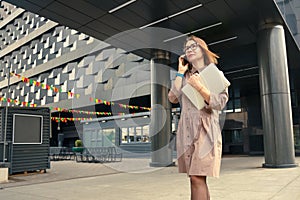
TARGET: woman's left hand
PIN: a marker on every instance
(196, 81)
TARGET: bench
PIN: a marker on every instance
(82, 156)
(54, 153)
(99, 154)
(66, 153)
(114, 154)
(60, 153)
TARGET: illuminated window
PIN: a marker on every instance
(135, 134)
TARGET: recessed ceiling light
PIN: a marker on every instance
(224, 40)
(171, 16)
(121, 6)
(192, 32)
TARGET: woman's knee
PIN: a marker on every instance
(198, 180)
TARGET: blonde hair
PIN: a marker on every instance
(209, 57)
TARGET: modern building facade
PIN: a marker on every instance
(52, 56)
(76, 52)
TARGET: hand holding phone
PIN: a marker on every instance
(182, 66)
(185, 61)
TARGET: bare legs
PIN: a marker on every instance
(199, 189)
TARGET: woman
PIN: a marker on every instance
(199, 140)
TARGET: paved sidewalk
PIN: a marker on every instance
(242, 178)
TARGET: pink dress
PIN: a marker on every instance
(199, 140)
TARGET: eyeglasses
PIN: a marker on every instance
(192, 47)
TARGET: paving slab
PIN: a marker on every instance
(242, 178)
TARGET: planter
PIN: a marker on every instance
(78, 149)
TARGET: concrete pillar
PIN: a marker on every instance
(4, 167)
(3, 175)
(275, 97)
(118, 138)
(160, 127)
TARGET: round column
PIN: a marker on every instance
(160, 127)
(275, 97)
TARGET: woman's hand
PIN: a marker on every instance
(182, 68)
(196, 81)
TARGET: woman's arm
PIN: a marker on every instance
(175, 91)
(196, 82)
(213, 101)
(218, 101)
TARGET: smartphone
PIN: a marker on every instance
(185, 61)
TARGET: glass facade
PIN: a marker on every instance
(290, 10)
(234, 102)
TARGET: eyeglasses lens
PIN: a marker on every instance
(192, 47)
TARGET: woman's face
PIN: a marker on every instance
(193, 51)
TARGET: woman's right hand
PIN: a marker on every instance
(182, 68)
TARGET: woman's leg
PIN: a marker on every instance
(199, 188)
